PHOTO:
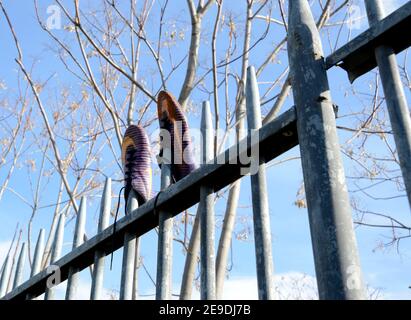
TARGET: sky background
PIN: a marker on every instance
(385, 269)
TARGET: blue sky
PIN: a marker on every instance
(383, 268)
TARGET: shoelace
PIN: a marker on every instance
(131, 174)
(131, 167)
(115, 220)
(118, 206)
(114, 226)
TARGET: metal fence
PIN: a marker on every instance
(311, 124)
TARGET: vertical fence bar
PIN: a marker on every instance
(334, 244)
(191, 259)
(135, 294)
(55, 254)
(99, 256)
(37, 258)
(225, 241)
(261, 215)
(394, 95)
(207, 211)
(73, 276)
(38, 253)
(129, 250)
(18, 277)
(4, 281)
(165, 237)
(2, 268)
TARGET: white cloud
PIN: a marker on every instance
(287, 286)
(83, 291)
(240, 289)
(295, 286)
(397, 295)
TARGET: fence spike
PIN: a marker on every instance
(38, 252)
(396, 101)
(207, 211)
(5, 276)
(99, 256)
(129, 250)
(55, 255)
(73, 277)
(18, 277)
(335, 250)
(37, 258)
(261, 215)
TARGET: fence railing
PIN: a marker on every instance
(311, 124)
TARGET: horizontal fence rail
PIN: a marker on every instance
(357, 56)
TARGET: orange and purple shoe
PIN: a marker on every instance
(172, 119)
(136, 159)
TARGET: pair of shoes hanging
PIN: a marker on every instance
(136, 155)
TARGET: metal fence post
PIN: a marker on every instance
(191, 259)
(99, 256)
(165, 243)
(394, 95)
(73, 277)
(18, 277)
(2, 268)
(129, 250)
(261, 218)
(38, 252)
(335, 250)
(56, 253)
(37, 258)
(4, 281)
(135, 294)
(165, 238)
(207, 211)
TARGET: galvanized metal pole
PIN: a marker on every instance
(73, 277)
(207, 211)
(261, 214)
(135, 294)
(4, 281)
(56, 253)
(38, 253)
(191, 262)
(334, 244)
(1, 269)
(165, 237)
(129, 250)
(37, 258)
(18, 277)
(99, 256)
(394, 95)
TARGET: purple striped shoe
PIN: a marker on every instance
(172, 119)
(136, 159)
